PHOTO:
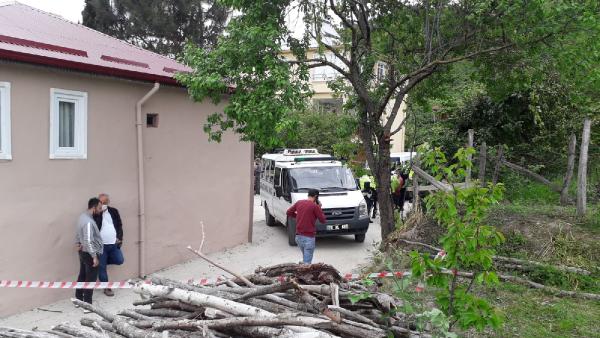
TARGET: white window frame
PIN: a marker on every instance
(79, 151)
(5, 143)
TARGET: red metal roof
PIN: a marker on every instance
(30, 35)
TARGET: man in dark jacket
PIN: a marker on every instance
(111, 230)
(306, 213)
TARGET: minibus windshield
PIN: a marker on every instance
(322, 178)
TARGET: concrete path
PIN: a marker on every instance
(269, 247)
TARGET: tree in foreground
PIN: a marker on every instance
(162, 26)
(411, 40)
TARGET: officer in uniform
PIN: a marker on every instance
(373, 196)
(365, 186)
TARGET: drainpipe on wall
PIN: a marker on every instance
(141, 193)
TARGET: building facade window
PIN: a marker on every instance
(5, 139)
(68, 124)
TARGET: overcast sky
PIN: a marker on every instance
(68, 9)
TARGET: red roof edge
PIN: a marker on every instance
(122, 73)
(41, 45)
(124, 61)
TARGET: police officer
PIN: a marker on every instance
(374, 195)
(365, 186)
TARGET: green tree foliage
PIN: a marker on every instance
(530, 99)
(162, 26)
(468, 243)
(327, 131)
(413, 39)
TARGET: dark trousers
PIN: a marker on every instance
(369, 205)
(111, 254)
(374, 201)
(87, 273)
(399, 199)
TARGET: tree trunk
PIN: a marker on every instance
(582, 170)
(564, 193)
(499, 159)
(482, 163)
(383, 176)
(416, 206)
(469, 145)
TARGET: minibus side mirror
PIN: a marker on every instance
(278, 191)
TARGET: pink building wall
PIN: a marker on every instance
(188, 180)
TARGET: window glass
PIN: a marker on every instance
(5, 140)
(322, 178)
(66, 124)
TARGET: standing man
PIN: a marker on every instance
(306, 213)
(90, 248)
(366, 186)
(374, 197)
(111, 231)
(257, 171)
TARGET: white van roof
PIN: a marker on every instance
(294, 158)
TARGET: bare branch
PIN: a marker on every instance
(397, 130)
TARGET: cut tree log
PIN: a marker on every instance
(347, 330)
(563, 268)
(564, 193)
(527, 282)
(532, 175)
(119, 323)
(259, 291)
(169, 313)
(202, 300)
(582, 169)
(439, 185)
(17, 333)
(416, 203)
(78, 331)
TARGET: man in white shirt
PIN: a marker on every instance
(111, 231)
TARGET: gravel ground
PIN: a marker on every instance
(269, 247)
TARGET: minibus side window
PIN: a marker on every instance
(277, 182)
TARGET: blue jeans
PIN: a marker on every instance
(307, 246)
(111, 255)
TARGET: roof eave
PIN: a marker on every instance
(89, 68)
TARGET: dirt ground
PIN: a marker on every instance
(269, 247)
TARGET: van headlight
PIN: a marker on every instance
(362, 209)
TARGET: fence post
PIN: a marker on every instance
(416, 207)
(582, 170)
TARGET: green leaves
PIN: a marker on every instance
(247, 60)
(468, 242)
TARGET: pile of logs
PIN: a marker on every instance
(287, 300)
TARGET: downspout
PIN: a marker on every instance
(141, 188)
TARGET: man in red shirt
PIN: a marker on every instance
(306, 213)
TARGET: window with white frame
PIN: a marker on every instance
(68, 124)
(5, 146)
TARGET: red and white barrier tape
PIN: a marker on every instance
(128, 284)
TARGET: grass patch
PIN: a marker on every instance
(522, 191)
(531, 313)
